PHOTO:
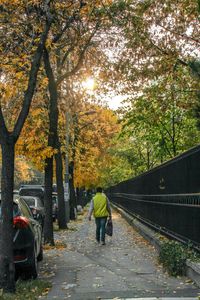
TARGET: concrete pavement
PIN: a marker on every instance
(125, 268)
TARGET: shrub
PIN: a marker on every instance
(173, 256)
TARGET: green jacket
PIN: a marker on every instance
(100, 206)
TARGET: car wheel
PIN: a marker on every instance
(40, 255)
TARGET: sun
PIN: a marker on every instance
(89, 83)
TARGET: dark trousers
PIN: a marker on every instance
(100, 228)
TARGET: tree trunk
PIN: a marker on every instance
(53, 136)
(8, 140)
(48, 222)
(7, 269)
(62, 222)
(78, 197)
(73, 205)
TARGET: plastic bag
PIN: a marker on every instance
(109, 227)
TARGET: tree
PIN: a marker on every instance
(24, 18)
(154, 38)
(54, 81)
(160, 121)
(155, 57)
(66, 56)
(162, 34)
(95, 138)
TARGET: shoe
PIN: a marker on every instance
(103, 243)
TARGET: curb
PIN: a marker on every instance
(193, 271)
(192, 268)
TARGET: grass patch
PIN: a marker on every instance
(29, 290)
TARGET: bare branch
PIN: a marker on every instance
(81, 58)
(66, 54)
(68, 22)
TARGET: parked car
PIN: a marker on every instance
(27, 240)
(37, 207)
(54, 206)
(38, 191)
(32, 190)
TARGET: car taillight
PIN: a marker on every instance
(19, 257)
(20, 222)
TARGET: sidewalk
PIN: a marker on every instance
(126, 267)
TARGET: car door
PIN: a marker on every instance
(35, 225)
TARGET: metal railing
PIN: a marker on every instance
(177, 214)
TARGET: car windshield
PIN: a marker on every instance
(40, 204)
(31, 192)
(30, 201)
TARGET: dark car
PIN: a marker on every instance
(37, 207)
(27, 240)
(32, 190)
(38, 191)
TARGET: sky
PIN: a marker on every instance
(115, 102)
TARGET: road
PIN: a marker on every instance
(126, 267)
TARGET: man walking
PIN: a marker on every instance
(100, 207)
